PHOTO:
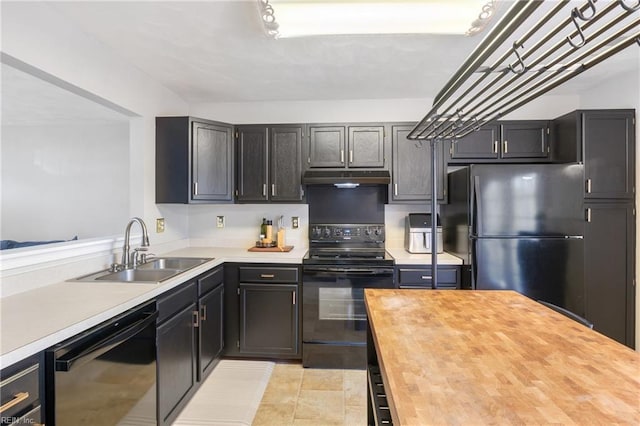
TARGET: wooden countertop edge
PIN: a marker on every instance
(385, 379)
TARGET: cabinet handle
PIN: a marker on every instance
(426, 277)
(588, 186)
(267, 275)
(17, 399)
(196, 319)
(588, 214)
(350, 156)
(293, 296)
(273, 189)
(342, 155)
(395, 189)
(264, 189)
(505, 147)
(195, 188)
(203, 313)
(495, 147)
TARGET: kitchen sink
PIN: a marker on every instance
(179, 263)
(139, 275)
(155, 271)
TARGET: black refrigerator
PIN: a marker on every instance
(519, 227)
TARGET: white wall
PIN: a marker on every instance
(35, 33)
(357, 110)
(61, 181)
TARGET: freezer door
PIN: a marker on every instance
(527, 200)
(549, 269)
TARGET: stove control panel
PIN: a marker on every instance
(352, 233)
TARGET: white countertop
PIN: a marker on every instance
(35, 320)
(403, 257)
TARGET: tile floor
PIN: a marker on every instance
(304, 396)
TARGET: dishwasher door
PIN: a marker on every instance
(106, 375)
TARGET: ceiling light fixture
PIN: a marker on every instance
(300, 18)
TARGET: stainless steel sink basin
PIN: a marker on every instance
(139, 275)
(180, 263)
(155, 271)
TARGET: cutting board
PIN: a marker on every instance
(272, 249)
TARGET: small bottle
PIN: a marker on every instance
(263, 227)
(269, 234)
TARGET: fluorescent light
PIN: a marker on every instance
(297, 18)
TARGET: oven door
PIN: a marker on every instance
(333, 302)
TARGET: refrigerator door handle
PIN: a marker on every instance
(476, 217)
(474, 263)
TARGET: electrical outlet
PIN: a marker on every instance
(220, 221)
(295, 222)
(159, 225)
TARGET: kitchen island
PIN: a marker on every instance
(495, 357)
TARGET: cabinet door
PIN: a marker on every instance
(609, 264)
(609, 154)
(212, 151)
(411, 175)
(326, 146)
(268, 319)
(366, 146)
(481, 144)
(252, 163)
(525, 139)
(177, 355)
(211, 307)
(285, 161)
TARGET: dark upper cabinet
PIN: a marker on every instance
(194, 160)
(412, 165)
(269, 163)
(346, 146)
(610, 269)
(604, 140)
(508, 141)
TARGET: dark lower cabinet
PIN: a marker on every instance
(189, 340)
(610, 271)
(420, 277)
(177, 351)
(268, 319)
(20, 393)
(263, 313)
(210, 331)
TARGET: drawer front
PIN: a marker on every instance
(19, 392)
(447, 277)
(176, 301)
(266, 275)
(210, 281)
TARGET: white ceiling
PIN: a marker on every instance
(217, 51)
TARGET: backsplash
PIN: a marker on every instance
(242, 223)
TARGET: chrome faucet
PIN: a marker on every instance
(131, 260)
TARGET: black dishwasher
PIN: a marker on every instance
(105, 375)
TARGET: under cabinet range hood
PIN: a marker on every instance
(346, 178)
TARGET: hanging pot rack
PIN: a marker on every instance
(562, 41)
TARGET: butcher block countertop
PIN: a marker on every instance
(496, 357)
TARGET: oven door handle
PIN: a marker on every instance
(72, 358)
(349, 271)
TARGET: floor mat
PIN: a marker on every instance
(230, 395)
